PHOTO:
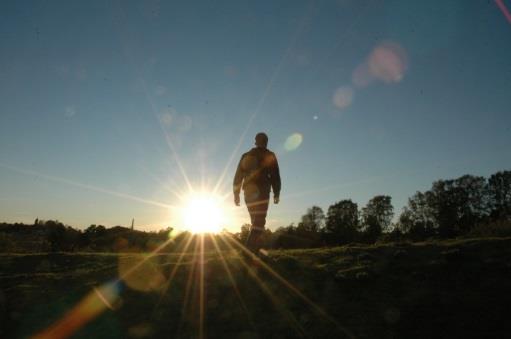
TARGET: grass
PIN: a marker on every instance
(456, 288)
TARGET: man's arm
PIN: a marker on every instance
(275, 179)
(237, 182)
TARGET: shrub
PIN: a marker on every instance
(499, 228)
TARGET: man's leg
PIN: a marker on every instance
(257, 210)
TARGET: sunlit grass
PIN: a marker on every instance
(206, 268)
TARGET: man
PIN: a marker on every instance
(257, 174)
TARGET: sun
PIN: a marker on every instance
(204, 213)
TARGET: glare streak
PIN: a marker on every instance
(167, 138)
(103, 299)
(503, 8)
(88, 308)
(189, 282)
(147, 257)
(85, 186)
(183, 250)
(275, 300)
(153, 106)
(176, 157)
(201, 289)
(342, 39)
(162, 184)
(232, 281)
(293, 289)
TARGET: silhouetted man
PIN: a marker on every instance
(257, 174)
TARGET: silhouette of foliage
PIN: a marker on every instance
(313, 220)
(468, 206)
(499, 186)
(342, 222)
(377, 216)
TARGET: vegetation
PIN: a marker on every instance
(468, 206)
(440, 270)
(53, 236)
(433, 289)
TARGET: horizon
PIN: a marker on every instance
(110, 112)
(215, 230)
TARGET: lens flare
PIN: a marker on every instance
(503, 8)
(92, 305)
(293, 142)
(388, 62)
(362, 76)
(343, 97)
(147, 277)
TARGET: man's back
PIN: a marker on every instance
(257, 174)
(258, 171)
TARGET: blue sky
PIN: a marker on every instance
(382, 97)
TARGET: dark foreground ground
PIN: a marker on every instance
(452, 289)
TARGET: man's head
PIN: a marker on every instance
(261, 140)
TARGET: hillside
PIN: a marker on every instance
(457, 288)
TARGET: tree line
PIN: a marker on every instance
(54, 236)
(466, 206)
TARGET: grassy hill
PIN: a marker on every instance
(457, 288)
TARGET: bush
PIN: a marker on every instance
(500, 228)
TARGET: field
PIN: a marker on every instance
(448, 289)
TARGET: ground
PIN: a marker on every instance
(457, 288)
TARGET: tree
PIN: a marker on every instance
(457, 205)
(56, 235)
(308, 229)
(441, 199)
(94, 230)
(165, 234)
(417, 218)
(342, 222)
(313, 220)
(473, 200)
(499, 187)
(377, 216)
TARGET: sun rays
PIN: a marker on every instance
(202, 212)
(194, 308)
(176, 200)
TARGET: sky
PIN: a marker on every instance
(113, 110)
